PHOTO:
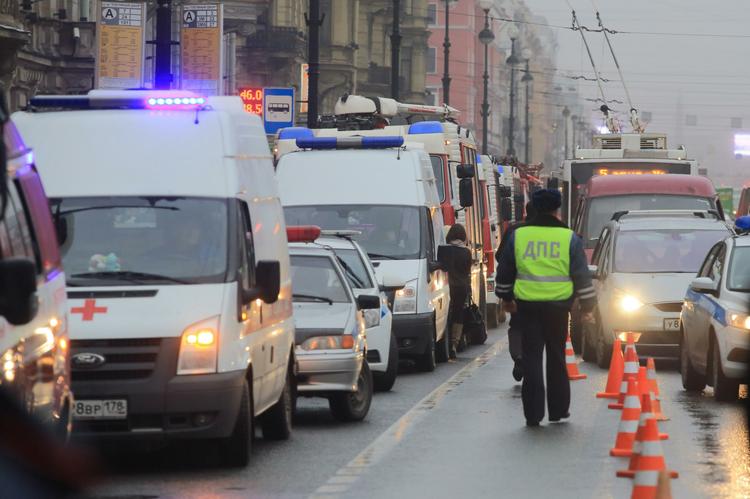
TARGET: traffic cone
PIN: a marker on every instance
(650, 463)
(570, 362)
(630, 371)
(628, 427)
(654, 387)
(614, 378)
(646, 414)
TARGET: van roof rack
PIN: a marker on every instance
(665, 213)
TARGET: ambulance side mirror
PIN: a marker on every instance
(465, 170)
(267, 282)
(465, 193)
(18, 300)
(504, 191)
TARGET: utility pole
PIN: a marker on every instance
(512, 61)
(527, 78)
(486, 36)
(313, 21)
(163, 43)
(395, 49)
(446, 55)
(566, 115)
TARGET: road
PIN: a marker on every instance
(458, 432)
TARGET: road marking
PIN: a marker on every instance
(347, 475)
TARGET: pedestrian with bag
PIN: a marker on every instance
(515, 334)
(542, 269)
(456, 260)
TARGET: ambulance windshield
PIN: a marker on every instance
(388, 232)
(111, 241)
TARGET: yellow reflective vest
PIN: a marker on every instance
(542, 263)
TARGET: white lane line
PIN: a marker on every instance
(347, 475)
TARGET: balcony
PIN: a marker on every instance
(277, 38)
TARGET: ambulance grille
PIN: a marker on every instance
(612, 143)
(125, 359)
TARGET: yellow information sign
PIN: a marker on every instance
(304, 85)
(201, 53)
(120, 45)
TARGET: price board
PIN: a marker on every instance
(120, 45)
(252, 99)
(201, 48)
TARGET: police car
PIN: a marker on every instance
(715, 346)
(330, 320)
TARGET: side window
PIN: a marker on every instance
(603, 240)
(247, 247)
(43, 234)
(17, 224)
(717, 267)
(429, 235)
(708, 263)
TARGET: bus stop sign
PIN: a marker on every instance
(278, 108)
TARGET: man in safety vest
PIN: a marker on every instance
(541, 270)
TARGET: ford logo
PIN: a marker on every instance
(88, 360)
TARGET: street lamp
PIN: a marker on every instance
(446, 55)
(527, 78)
(574, 122)
(486, 36)
(512, 61)
(566, 115)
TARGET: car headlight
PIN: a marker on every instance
(372, 317)
(629, 303)
(406, 299)
(330, 342)
(738, 319)
(198, 348)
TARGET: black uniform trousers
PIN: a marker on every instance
(515, 338)
(544, 326)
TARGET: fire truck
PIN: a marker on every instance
(453, 153)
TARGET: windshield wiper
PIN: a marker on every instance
(386, 257)
(351, 273)
(128, 275)
(314, 298)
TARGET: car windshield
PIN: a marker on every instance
(601, 209)
(739, 270)
(354, 268)
(111, 241)
(387, 232)
(664, 250)
(314, 279)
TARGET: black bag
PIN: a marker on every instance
(474, 327)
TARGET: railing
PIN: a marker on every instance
(277, 38)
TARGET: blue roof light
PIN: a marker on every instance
(295, 132)
(500, 169)
(384, 142)
(316, 143)
(742, 223)
(423, 127)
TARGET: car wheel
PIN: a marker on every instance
(276, 422)
(603, 354)
(384, 381)
(354, 406)
(588, 351)
(426, 361)
(725, 390)
(576, 333)
(692, 380)
(237, 448)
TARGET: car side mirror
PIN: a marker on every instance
(465, 170)
(704, 285)
(267, 282)
(392, 283)
(18, 300)
(368, 302)
(433, 266)
(465, 193)
(61, 229)
(594, 271)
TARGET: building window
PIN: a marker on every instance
(432, 14)
(431, 96)
(431, 60)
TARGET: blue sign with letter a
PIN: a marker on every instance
(278, 108)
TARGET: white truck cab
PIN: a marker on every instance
(173, 239)
(387, 192)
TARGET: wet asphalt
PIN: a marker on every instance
(457, 432)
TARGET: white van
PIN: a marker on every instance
(175, 249)
(387, 193)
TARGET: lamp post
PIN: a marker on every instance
(395, 48)
(566, 115)
(574, 122)
(512, 61)
(486, 36)
(582, 130)
(446, 55)
(527, 78)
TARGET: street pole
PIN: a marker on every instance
(395, 49)
(512, 61)
(313, 21)
(527, 78)
(446, 54)
(574, 122)
(566, 115)
(486, 36)
(163, 46)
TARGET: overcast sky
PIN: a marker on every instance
(709, 76)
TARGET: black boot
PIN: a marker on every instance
(518, 371)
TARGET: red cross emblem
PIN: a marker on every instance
(88, 310)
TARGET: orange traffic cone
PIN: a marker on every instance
(570, 362)
(654, 387)
(650, 464)
(614, 378)
(630, 371)
(646, 414)
(628, 427)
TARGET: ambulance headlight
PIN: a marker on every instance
(198, 348)
(405, 301)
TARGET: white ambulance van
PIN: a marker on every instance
(387, 193)
(173, 239)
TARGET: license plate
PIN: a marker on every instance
(100, 409)
(671, 324)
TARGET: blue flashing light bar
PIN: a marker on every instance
(500, 169)
(742, 223)
(295, 132)
(120, 100)
(423, 127)
(384, 142)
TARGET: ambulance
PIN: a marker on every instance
(174, 244)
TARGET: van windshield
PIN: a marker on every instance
(601, 209)
(387, 232)
(112, 241)
(663, 251)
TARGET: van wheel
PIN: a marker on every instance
(383, 382)
(442, 347)
(603, 354)
(725, 389)
(237, 448)
(491, 313)
(588, 351)
(692, 380)
(276, 422)
(426, 361)
(354, 406)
